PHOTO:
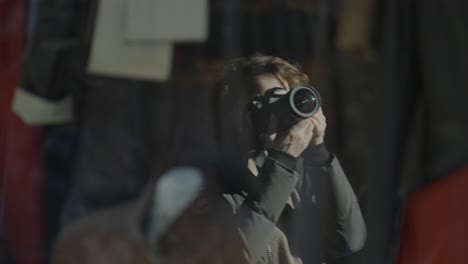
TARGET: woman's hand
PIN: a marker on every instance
(320, 125)
(295, 140)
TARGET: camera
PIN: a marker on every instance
(289, 107)
(301, 102)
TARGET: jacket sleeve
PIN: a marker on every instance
(256, 215)
(345, 230)
(348, 233)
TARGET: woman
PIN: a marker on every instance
(321, 218)
(256, 191)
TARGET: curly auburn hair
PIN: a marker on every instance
(241, 73)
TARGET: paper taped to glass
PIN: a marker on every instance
(166, 20)
(112, 56)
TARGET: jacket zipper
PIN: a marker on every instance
(270, 255)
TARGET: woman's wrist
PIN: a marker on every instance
(317, 154)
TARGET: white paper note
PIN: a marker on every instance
(166, 20)
(112, 56)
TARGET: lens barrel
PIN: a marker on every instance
(304, 101)
(291, 107)
(301, 102)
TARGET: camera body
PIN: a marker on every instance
(300, 103)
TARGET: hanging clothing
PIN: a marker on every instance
(21, 161)
(414, 111)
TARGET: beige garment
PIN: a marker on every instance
(108, 236)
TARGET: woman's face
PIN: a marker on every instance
(266, 82)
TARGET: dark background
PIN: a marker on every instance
(392, 74)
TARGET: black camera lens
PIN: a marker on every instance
(304, 101)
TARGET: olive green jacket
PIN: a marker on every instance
(285, 186)
(242, 230)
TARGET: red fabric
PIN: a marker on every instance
(435, 230)
(21, 166)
